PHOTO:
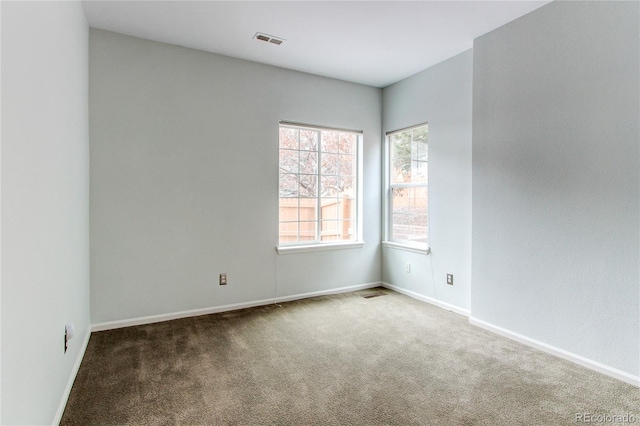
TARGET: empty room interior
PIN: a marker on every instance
(320, 212)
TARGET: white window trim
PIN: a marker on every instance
(386, 191)
(407, 247)
(358, 242)
(318, 247)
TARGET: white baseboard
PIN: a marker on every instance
(326, 292)
(438, 303)
(224, 308)
(72, 378)
(561, 353)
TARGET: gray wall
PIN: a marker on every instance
(184, 178)
(556, 179)
(45, 204)
(441, 96)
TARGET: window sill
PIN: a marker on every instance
(318, 247)
(414, 249)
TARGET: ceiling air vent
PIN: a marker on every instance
(268, 38)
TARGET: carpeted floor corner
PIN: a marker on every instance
(333, 360)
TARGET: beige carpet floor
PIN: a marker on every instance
(333, 360)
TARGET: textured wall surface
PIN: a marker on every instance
(184, 178)
(45, 204)
(556, 179)
(440, 96)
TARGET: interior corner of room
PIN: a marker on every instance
(135, 172)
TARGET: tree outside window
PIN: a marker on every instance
(318, 185)
(408, 186)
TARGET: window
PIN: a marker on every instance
(408, 191)
(319, 202)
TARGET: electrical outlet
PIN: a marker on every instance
(223, 278)
(407, 268)
(450, 279)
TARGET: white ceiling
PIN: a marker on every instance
(375, 43)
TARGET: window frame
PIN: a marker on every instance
(389, 241)
(317, 243)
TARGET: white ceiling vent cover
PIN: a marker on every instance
(269, 38)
